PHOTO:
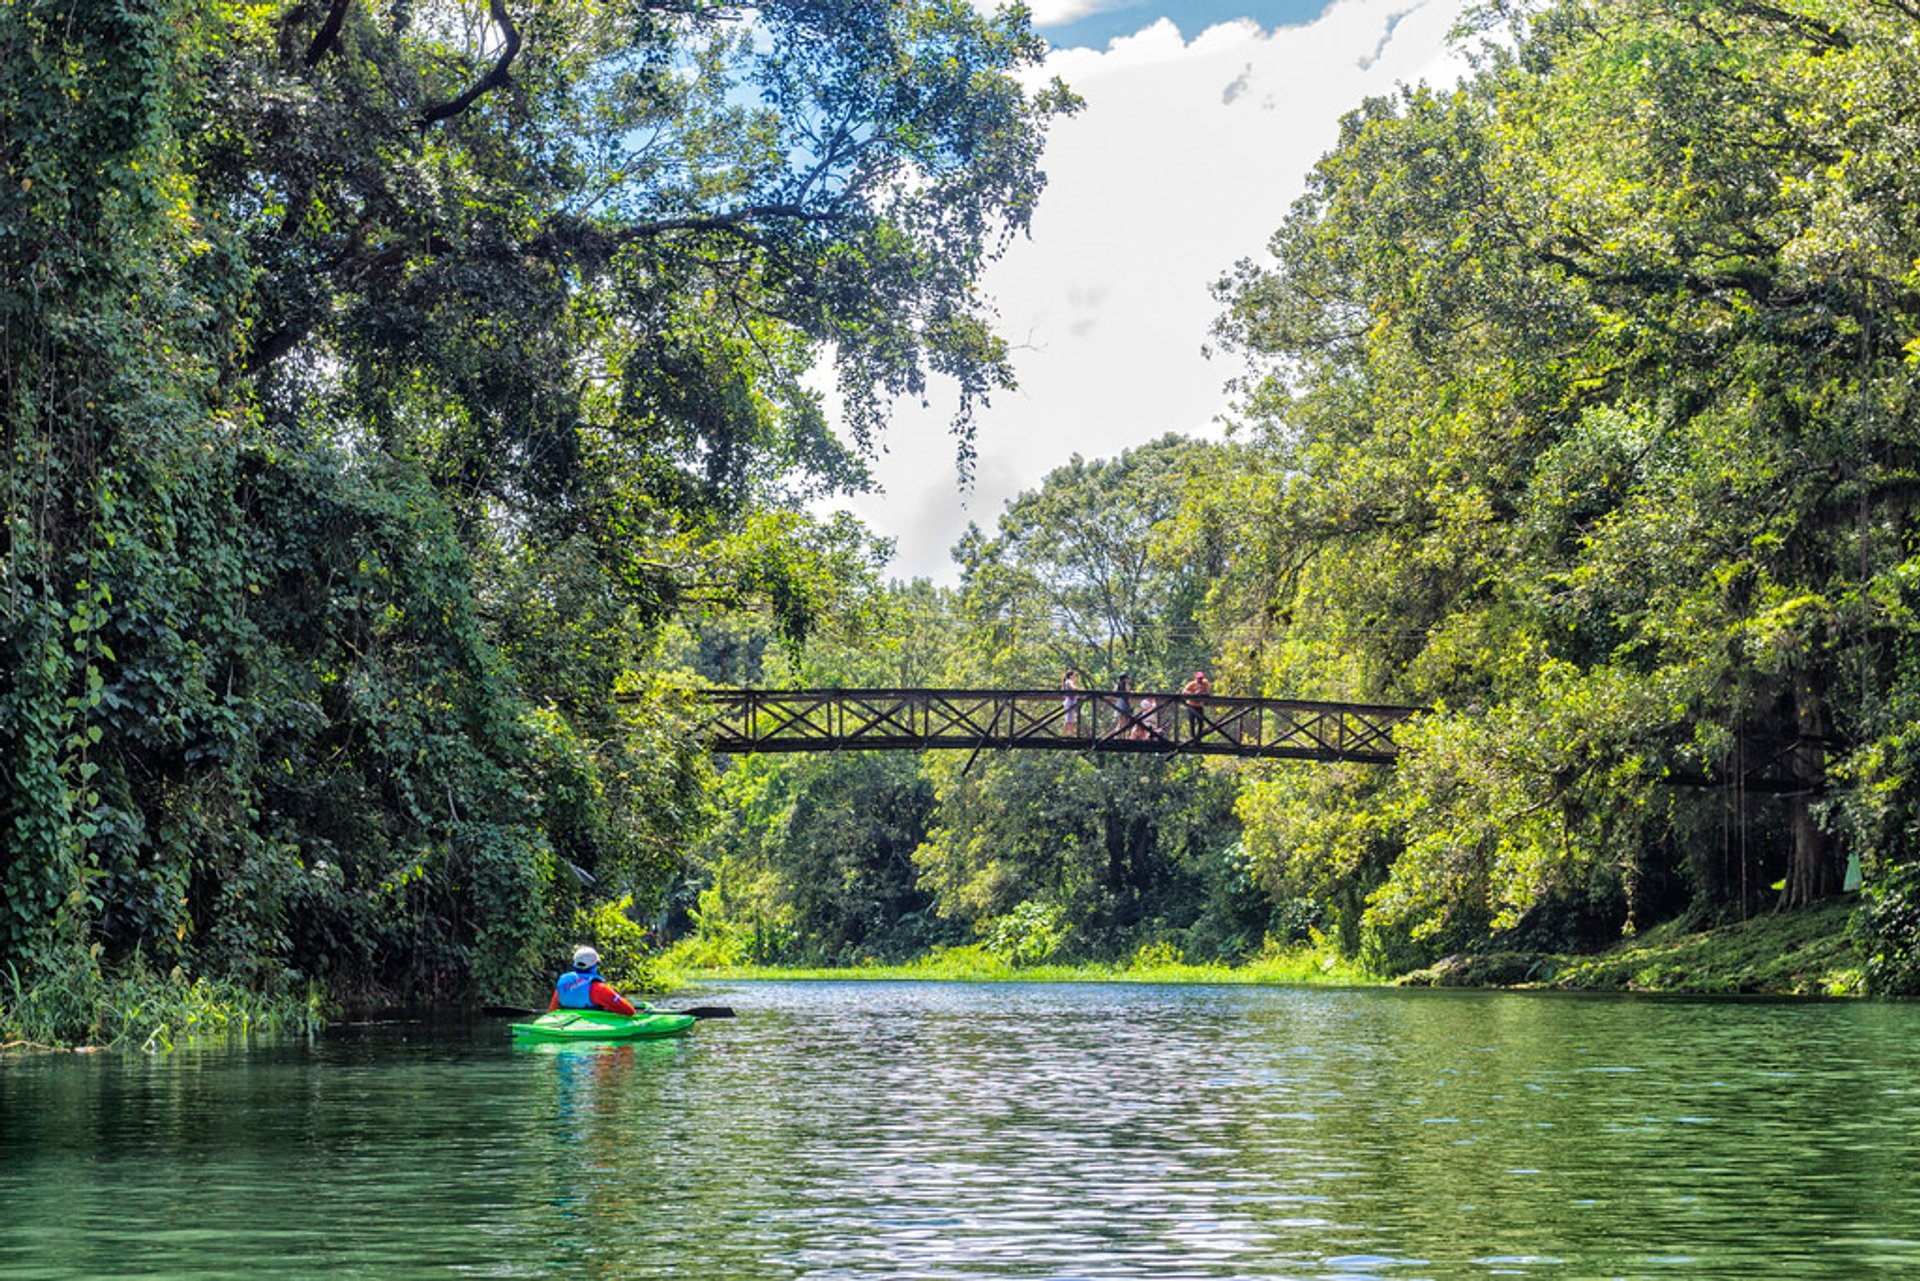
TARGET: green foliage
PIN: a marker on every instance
(1156, 956)
(148, 1011)
(1889, 932)
(718, 949)
(1318, 962)
(1028, 935)
(1126, 847)
(394, 415)
(1799, 953)
(811, 862)
(870, 859)
(373, 392)
(155, 1012)
(1084, 573)
(1583, 412)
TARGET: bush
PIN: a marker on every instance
(1159, 955)
(1028, 935)
(148, 1011)
(1889, 931)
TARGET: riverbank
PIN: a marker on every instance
(147, 1012)
(1321, 965)
(1804, 953)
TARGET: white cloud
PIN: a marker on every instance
(1183, 161)
(1054, 13)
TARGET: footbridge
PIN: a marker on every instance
(1148, 722)
(826, 720)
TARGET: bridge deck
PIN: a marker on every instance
(820, 720)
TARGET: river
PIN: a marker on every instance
(870, 1130)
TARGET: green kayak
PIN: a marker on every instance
(602, 1025)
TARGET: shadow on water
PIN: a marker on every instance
(952, 1130)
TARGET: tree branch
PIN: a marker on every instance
(734, 220)
(328, 36)
(581, 235)
(1808, 28)
(496, 77)
(275, 344)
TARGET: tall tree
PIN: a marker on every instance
(1590, 420)
(375, 377)
(1084, 571)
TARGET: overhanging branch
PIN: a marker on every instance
(745, 224)
(497, 76)
(328, 36)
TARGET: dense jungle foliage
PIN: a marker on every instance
(1584, 407)
(377, 379)
(1577, 404)
(1038, 856)
(405, 406)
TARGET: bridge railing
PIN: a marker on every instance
(811, 720)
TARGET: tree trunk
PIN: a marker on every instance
(1814, 871)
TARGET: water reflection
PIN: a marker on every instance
(903, 1130)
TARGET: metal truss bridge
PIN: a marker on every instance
(1149, 722)
(825, 720)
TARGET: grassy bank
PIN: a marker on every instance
(1804, 953)
(146, 1012)
(974, 964)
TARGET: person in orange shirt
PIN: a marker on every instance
(1196, 691)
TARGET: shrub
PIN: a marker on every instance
(1159, 955)
(1889, 931)
(1028, 935)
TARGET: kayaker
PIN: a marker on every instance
(582, 988)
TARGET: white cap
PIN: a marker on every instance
(585, 958)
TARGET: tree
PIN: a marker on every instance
(812, 861)
(1598, 437)
(376, 381)
(1083, 572)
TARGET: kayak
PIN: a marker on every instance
(603, 1025)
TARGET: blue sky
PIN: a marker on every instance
(1092, 30)
(1202, 120)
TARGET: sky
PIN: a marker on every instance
(1202, 120)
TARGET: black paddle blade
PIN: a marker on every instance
(707, 1011)
(698, 1011)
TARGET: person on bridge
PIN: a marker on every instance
(1147, 724)
(1196, 691)
(582, 988)
(1122, 706)
(1070, 704)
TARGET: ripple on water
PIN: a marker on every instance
(908, 1130)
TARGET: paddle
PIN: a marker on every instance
(697, 1011)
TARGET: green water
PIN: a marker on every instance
(940, 1130)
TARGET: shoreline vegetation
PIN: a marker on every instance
(152, 1013)
(1809, 952)
(388, 482)
(1805, 953)
(1301, 966)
